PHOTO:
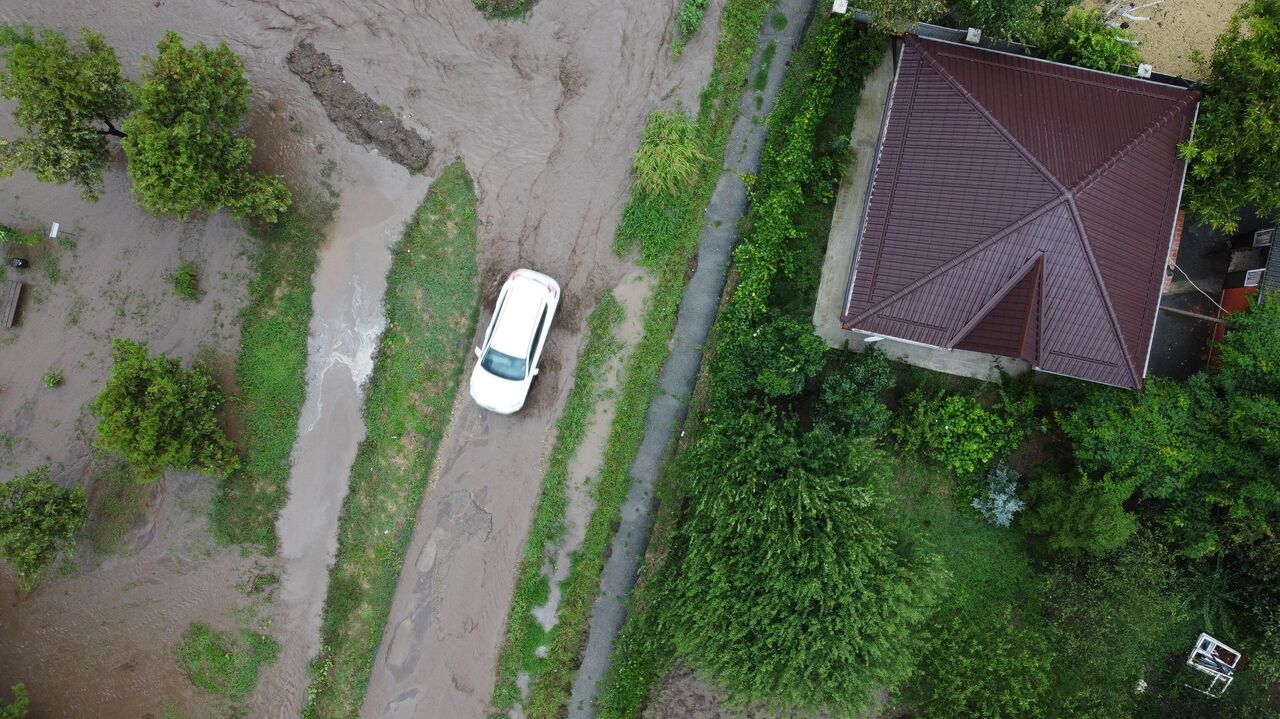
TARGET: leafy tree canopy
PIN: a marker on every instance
(69, 96)
(38, 519)
(1083, 38)
(185, 155)
(1078, 514)
(1235, 154)
(158, 415)
(792, 588)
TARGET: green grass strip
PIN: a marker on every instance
(665, 229)
(524, 634)
(271, 372)
(431, 301)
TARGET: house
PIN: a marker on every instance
(1020, 208)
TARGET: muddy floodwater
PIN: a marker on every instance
(546, 113)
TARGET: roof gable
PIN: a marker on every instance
(1022, 207)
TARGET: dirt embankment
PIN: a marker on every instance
(363, 121)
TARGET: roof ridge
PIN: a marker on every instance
(1114, 159)
(1102, 289)
(1001, 292)
(950, 264)
(999, 127)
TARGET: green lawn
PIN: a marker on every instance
(431, 301)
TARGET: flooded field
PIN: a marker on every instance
(546, 113)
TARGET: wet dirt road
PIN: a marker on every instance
(546, 113)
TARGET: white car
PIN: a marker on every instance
(513, 343)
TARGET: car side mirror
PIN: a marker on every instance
(535, 371)
(477, 352)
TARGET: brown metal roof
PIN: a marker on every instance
(1022, 208)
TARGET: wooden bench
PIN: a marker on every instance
(9, 301)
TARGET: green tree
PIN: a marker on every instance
(38, 519)
(774, 358)
(158, 415)
(16, 709)
(999, 18)
(897, 16)
(793, 588)
(185, 155)
(69, 97)
(982, 663)
(1078, 514)
(1235, 153)
(955, 430)
(1083, 38)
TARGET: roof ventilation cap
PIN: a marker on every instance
(1144, 70)
(973, 36)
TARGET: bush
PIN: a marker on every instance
(688, 20)
(1085, 39)
(1001, 502)
(956, 431)
(16, 709)
(1078, 515)
(184, 281)
(775, 359)
(1234, 162)
(670, 154)
(17, 237)
(37, 520)
(158, 415)
(999, 18)
(850, 397)
(222, 663)
(52, 379)
(792, 588)
(896, 16)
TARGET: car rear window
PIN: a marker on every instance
(503, 365)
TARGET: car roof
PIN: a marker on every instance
(519, 317)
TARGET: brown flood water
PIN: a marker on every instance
(546, 114)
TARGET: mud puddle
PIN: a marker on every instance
(363, 121)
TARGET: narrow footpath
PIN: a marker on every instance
(698, 308)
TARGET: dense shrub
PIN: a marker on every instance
(670, 154)
(1078, 514)
(16, 709)
(956, 431)
(1233, 155)
(775, 359)
(999, 18)
(688, 19)
(38, 519)
(850, 397)
(1085, 39)
(895, 16)
(157, 415)
(792, 587)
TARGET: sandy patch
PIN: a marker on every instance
(1176, 29)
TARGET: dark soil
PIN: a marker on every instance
(363, 120)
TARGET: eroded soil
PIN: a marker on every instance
(354, 113)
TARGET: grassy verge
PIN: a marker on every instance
(643, 653)
(524, 634)
(225, 664)
(271, 372)
(431, 300)
(665, 229)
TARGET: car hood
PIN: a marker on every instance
(496, 394)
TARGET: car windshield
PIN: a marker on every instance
(503, 365)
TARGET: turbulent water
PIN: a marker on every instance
(546, 114)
